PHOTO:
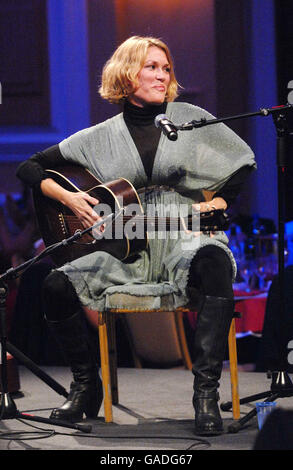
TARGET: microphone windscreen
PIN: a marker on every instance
(159, 118)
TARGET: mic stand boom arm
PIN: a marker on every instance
(206, 122)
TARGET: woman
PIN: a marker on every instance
(140, 74)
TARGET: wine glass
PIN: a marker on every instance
(262, 270)
(246, 272)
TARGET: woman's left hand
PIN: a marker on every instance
(218, 203)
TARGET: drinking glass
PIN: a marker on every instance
(246, 272)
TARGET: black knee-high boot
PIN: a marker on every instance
(211, 335)
(86, 391)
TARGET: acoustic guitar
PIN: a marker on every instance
(126, 230)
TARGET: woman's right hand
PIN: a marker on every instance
(81, 204)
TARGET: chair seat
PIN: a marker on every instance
(155, 297)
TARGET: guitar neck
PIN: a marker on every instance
(215, 220)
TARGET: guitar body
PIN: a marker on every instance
(56, 222)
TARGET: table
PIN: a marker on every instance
(252, 307)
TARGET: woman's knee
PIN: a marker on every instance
(212, 272)
(55, 284)
(59, 296)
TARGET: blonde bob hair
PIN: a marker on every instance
(119, 76)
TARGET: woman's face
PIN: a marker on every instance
(153, 78)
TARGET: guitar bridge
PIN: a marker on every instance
(62, 224)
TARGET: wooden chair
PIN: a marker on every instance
(105, 321)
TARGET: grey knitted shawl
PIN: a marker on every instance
(204, 158)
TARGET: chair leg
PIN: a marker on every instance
(111, 330)
(136, 359)
(105, 369)
(182, 340)
(234, 370)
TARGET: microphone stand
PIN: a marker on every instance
(281, 384)
(8, 409)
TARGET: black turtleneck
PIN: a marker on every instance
(140, 123)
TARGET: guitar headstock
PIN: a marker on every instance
(216, 219)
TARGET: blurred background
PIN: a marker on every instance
(231, 57)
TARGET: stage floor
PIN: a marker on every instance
(155, 413)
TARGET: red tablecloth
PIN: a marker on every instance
(251, 305)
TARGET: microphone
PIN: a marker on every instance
(167, 126)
